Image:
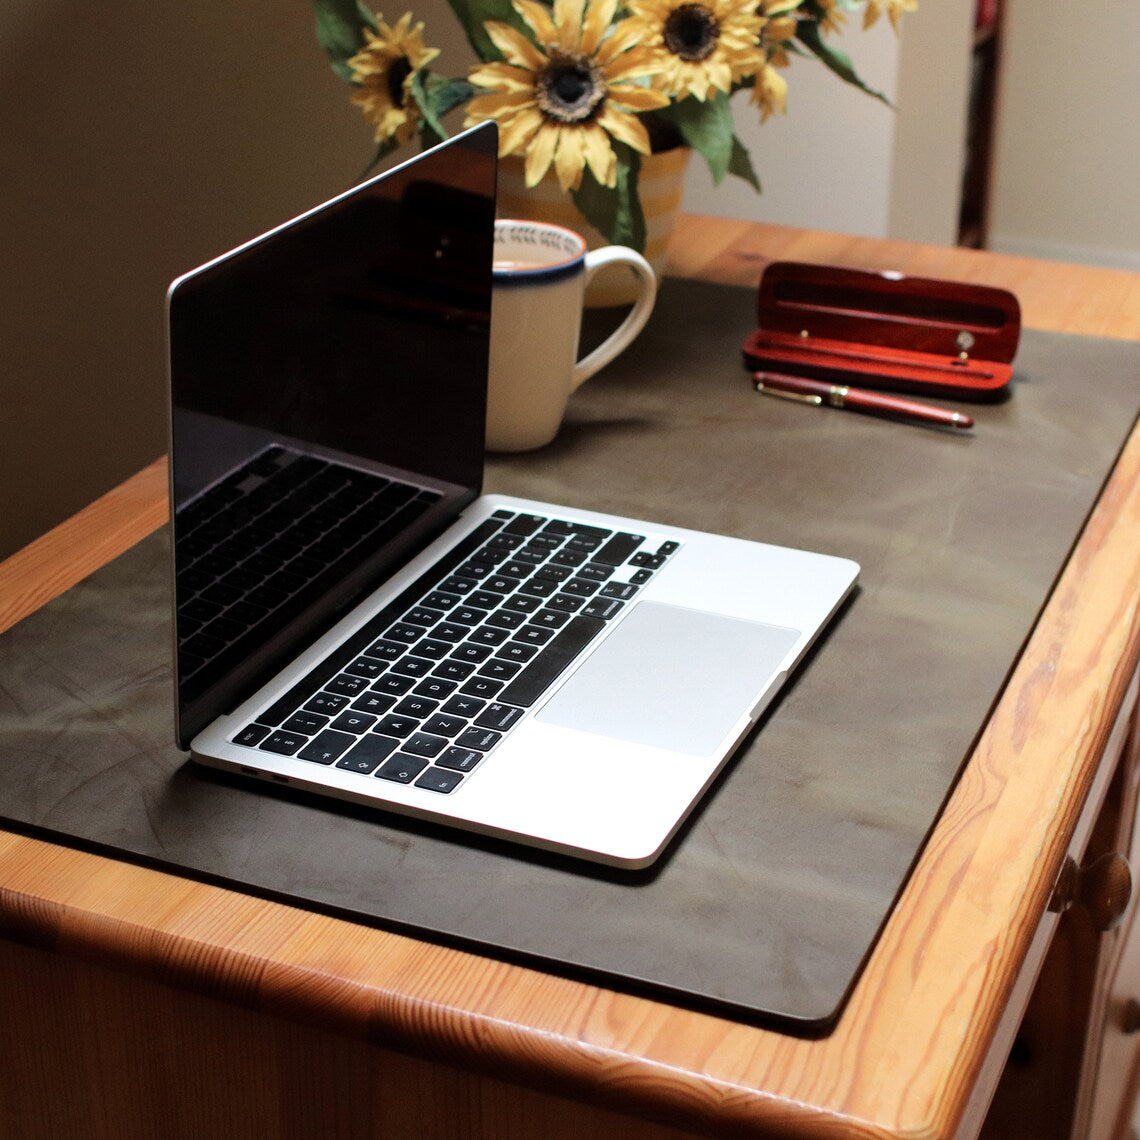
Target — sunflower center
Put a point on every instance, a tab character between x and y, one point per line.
397	73
571	87
691	32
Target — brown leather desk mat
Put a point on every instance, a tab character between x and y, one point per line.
772	896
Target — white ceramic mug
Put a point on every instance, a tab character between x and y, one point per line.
540	276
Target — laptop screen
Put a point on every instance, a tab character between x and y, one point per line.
328	392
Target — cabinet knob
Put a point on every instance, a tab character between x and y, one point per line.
1103	888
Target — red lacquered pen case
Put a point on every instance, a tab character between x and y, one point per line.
885	330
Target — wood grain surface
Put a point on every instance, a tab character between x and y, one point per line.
908	1050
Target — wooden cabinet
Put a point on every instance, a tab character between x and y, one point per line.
1073	1067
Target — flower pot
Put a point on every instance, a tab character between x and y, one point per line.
661	183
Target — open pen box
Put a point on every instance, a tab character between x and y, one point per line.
885	330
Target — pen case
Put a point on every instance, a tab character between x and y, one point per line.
885	330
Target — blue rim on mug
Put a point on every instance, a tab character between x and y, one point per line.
572	260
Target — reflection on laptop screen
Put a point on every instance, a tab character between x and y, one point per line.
301	473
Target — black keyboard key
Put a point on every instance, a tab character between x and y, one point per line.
439	780
539	586
466	615
372	749
618	590
667	548
412	666
459	705
522	603
506	619
450	670
488	635
580	586
501	584
485	600
354	721
484	687
594	572
649	561
423	615
392	684
385	650
534	680
470	652
443	724
402	768
516	651
417	706
568	558
619	548
431	649
252	735
555	573
328	704
403	632
401	726
368	667
641	577
424	744
437	688
550	619
499	670
450	631
305	723
459	759
604	608
443	601
326	747
481	739
535	634
458	585
377	703
283	743
347	685
498	716
524	524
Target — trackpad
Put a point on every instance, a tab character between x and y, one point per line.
671	677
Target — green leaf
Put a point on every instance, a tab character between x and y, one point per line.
740	164
472	14
808	33
615	212
340	31
708	128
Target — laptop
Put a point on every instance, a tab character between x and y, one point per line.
354	617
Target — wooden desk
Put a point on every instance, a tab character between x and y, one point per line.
136	1002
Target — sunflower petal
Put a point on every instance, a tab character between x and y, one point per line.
516	48
498	104
599	154
569	159
624	127
537	18
540	153
568	21
515	135
633	97
598	17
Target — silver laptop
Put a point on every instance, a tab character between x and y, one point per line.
353	616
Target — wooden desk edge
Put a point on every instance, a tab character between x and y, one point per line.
686	1067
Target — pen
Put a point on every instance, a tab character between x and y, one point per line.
821	392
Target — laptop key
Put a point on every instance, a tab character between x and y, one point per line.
460	759
252	735
498	716
439	780
326	747
402	768
283	743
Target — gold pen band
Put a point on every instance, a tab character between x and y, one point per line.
798	397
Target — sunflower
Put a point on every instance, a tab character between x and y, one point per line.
383	71
560	97
770	88
895	9
705	44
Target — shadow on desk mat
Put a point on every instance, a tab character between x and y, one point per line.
769	901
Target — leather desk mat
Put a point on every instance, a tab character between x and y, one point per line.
769	900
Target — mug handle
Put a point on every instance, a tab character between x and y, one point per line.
633	324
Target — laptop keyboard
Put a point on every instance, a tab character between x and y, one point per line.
253	548
426	689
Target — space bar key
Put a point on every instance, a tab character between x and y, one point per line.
537	677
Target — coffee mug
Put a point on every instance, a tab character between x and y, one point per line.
540	276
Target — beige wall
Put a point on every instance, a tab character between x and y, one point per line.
1067	171
139	139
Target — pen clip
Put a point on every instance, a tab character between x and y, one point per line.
798	397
